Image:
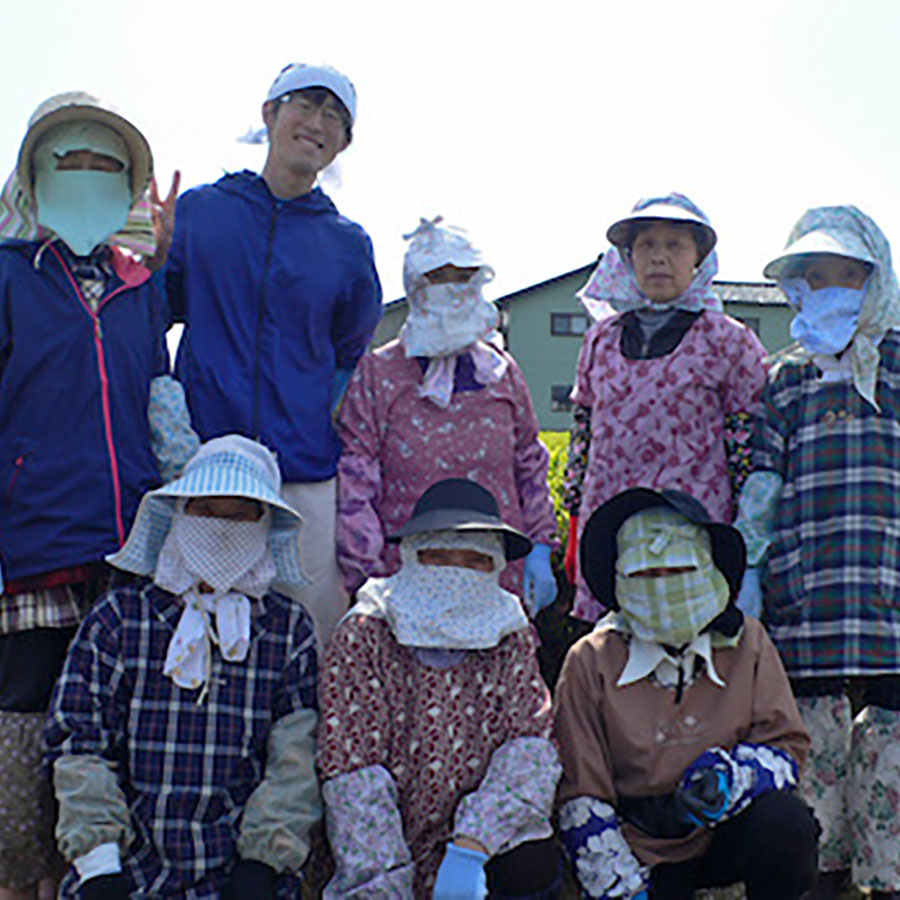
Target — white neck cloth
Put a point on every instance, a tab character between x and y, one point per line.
234	560
445	607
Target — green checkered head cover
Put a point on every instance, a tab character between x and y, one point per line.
667	585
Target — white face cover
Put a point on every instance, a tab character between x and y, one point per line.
84	207
444	319
828	318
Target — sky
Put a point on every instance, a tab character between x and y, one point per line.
535	125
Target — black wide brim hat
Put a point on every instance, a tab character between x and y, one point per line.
598	549
457	504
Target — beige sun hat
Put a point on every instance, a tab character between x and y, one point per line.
78	106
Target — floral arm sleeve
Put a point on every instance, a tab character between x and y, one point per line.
756	513
514	801
603	862
172	438
579	445
360	533
531	463
738	453
365	832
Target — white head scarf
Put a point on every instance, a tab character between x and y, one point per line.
847	231
445	320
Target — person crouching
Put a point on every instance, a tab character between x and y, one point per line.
182	730
435	754
680	738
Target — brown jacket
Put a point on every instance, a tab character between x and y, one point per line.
636	741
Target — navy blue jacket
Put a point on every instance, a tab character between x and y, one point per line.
75	455
276	295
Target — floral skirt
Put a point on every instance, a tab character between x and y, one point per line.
27	809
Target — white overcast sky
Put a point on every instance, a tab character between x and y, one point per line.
533	124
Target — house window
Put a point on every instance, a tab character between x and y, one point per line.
568	323
559	398
752	322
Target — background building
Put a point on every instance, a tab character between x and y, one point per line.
543	326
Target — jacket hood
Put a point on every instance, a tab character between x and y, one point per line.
252	186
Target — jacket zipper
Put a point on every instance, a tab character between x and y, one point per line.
260	314
104	388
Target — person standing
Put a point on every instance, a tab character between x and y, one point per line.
821	518
84	389
279	296
438	402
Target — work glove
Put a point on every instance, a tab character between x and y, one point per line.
250	878
538	585
105	887
705	793
570	564
461	875
749	600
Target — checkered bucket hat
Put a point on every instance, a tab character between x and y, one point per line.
229	466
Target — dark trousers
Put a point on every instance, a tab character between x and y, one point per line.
530	870
771	847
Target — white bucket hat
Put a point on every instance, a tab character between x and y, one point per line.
78	106
229	466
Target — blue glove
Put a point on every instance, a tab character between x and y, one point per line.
705	795
538	584
643	895
749	600
339	387
461	875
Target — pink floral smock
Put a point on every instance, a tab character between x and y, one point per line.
397	444
660	422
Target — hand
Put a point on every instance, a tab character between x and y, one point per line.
105	887
461	875
705	795
163	212
250	878
538	583
571	561
749	600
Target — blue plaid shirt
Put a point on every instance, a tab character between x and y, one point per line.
186	769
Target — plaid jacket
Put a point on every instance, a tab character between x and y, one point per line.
832	599
186	769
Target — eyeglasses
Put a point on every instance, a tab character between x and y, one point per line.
306	109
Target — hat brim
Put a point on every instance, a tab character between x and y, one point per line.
598	548
516	544
619	233
815	243
141	158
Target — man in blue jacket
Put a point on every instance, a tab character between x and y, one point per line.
279	296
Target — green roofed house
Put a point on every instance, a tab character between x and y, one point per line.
543	326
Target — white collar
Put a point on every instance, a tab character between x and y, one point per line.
647	657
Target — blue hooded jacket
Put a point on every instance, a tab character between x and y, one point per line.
276	297
75	452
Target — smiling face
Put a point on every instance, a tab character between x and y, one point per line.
664	256
829	270
304	138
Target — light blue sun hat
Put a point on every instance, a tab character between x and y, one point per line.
228	466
